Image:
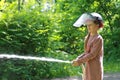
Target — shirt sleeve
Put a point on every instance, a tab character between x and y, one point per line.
95	49
83	54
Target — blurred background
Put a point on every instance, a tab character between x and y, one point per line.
44	28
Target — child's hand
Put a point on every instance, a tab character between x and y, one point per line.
75	63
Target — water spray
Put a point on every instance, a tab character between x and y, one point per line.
7	56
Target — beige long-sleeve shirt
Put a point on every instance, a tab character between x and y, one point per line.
93	58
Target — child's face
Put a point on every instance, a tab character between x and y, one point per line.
91	26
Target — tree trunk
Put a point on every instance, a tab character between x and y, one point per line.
38	1
23	1
19	5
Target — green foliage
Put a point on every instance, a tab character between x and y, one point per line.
15	70
111	67
112	46
24	32
33	29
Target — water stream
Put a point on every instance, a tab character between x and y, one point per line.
12	56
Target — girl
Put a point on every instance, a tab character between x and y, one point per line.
93	48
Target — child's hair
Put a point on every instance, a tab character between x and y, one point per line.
99	22
86	40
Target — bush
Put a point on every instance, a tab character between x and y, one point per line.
31	30
24	32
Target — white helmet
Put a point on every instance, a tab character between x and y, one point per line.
87	16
